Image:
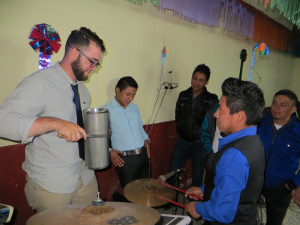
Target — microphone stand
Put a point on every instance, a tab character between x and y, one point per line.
174	211
243	57
149	168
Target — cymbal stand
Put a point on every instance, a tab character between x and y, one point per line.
174	211
149	173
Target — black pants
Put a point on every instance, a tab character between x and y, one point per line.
135	167
277	201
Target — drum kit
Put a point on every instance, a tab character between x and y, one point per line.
143	193
108	213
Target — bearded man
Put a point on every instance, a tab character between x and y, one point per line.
47	103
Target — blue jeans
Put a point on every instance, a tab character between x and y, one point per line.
184	150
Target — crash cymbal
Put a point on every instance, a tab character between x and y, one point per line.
142	191
109	213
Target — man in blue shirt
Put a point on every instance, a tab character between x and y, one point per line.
130	143
234	175
280	134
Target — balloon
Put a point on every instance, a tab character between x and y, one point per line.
261	47
164	53
262	50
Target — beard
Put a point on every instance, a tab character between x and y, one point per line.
78	72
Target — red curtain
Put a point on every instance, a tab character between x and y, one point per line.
273	34
269	31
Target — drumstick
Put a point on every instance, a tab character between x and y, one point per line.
169	200
178	189
60	135
87	135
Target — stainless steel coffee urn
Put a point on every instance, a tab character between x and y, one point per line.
96	126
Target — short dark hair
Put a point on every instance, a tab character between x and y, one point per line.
82	38
290	94
202	68
125	82
244	96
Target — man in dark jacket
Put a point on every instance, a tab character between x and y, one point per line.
191	107
280	134
235	174
210	132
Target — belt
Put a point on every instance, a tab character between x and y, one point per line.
133	152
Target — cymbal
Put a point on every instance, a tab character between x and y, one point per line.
142	191
109	213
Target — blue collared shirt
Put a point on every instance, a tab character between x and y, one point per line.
232	174
127	132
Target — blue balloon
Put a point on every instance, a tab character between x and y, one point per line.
266	50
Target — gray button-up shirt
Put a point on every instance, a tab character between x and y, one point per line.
50	161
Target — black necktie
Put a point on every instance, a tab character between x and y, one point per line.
76	100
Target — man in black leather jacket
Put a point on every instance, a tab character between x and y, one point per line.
191	107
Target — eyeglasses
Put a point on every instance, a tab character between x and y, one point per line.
93	63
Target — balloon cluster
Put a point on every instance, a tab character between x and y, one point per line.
262	50
164	52
163	55
46	39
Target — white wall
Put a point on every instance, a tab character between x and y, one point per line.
134	37
296	78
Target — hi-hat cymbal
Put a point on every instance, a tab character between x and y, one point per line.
142	191
109	213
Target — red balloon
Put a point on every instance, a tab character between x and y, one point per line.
262	47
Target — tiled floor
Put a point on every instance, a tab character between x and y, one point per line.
292	216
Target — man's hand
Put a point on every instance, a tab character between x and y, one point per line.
115	158
147	145
70	131
190	208
296	196
195	191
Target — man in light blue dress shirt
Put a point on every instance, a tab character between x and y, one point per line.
130	151
40	108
